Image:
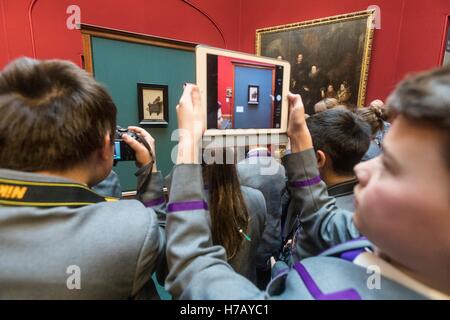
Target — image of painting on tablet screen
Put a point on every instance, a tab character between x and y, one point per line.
253	94
243	94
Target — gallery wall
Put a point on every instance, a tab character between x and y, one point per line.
168	18
410	38
246	115
224	81
141	63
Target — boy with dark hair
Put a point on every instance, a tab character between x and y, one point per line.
54	116
402	207
340	139
58	238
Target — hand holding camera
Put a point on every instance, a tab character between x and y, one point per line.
139	146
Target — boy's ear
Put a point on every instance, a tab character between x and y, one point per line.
105	152
321	159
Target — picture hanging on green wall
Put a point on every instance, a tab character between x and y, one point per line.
153	101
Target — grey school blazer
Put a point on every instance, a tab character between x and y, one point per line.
342	192
245	261
265	174
198	269
114	247
110	186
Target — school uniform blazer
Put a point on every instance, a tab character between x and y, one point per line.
265	174
376	146
245	261
110	186
114	247
198	270
342	192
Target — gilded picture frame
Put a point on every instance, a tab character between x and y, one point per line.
329	57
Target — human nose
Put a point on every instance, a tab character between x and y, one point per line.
362	171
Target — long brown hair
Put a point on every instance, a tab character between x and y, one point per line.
227	208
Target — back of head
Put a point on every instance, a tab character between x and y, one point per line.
342	135
227	207
377	103
320	106
424	100
331	102
54	115
325	104
345	107
374	116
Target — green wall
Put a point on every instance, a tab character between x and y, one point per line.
120	66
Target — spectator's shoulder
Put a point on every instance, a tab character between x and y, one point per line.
254	200
251	194
125	214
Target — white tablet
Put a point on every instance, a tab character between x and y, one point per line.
243	94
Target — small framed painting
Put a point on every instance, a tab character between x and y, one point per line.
153	105
253	94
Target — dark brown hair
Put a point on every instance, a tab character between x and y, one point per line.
374	116
227	208
424	99
53	115
342	135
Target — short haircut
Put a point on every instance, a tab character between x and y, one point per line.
342	136
53	115
424	99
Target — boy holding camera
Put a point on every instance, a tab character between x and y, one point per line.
58	238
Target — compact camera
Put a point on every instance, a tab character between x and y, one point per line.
122	151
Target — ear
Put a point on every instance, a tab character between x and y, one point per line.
106	150
321	159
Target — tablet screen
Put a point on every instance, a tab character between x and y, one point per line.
243	93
